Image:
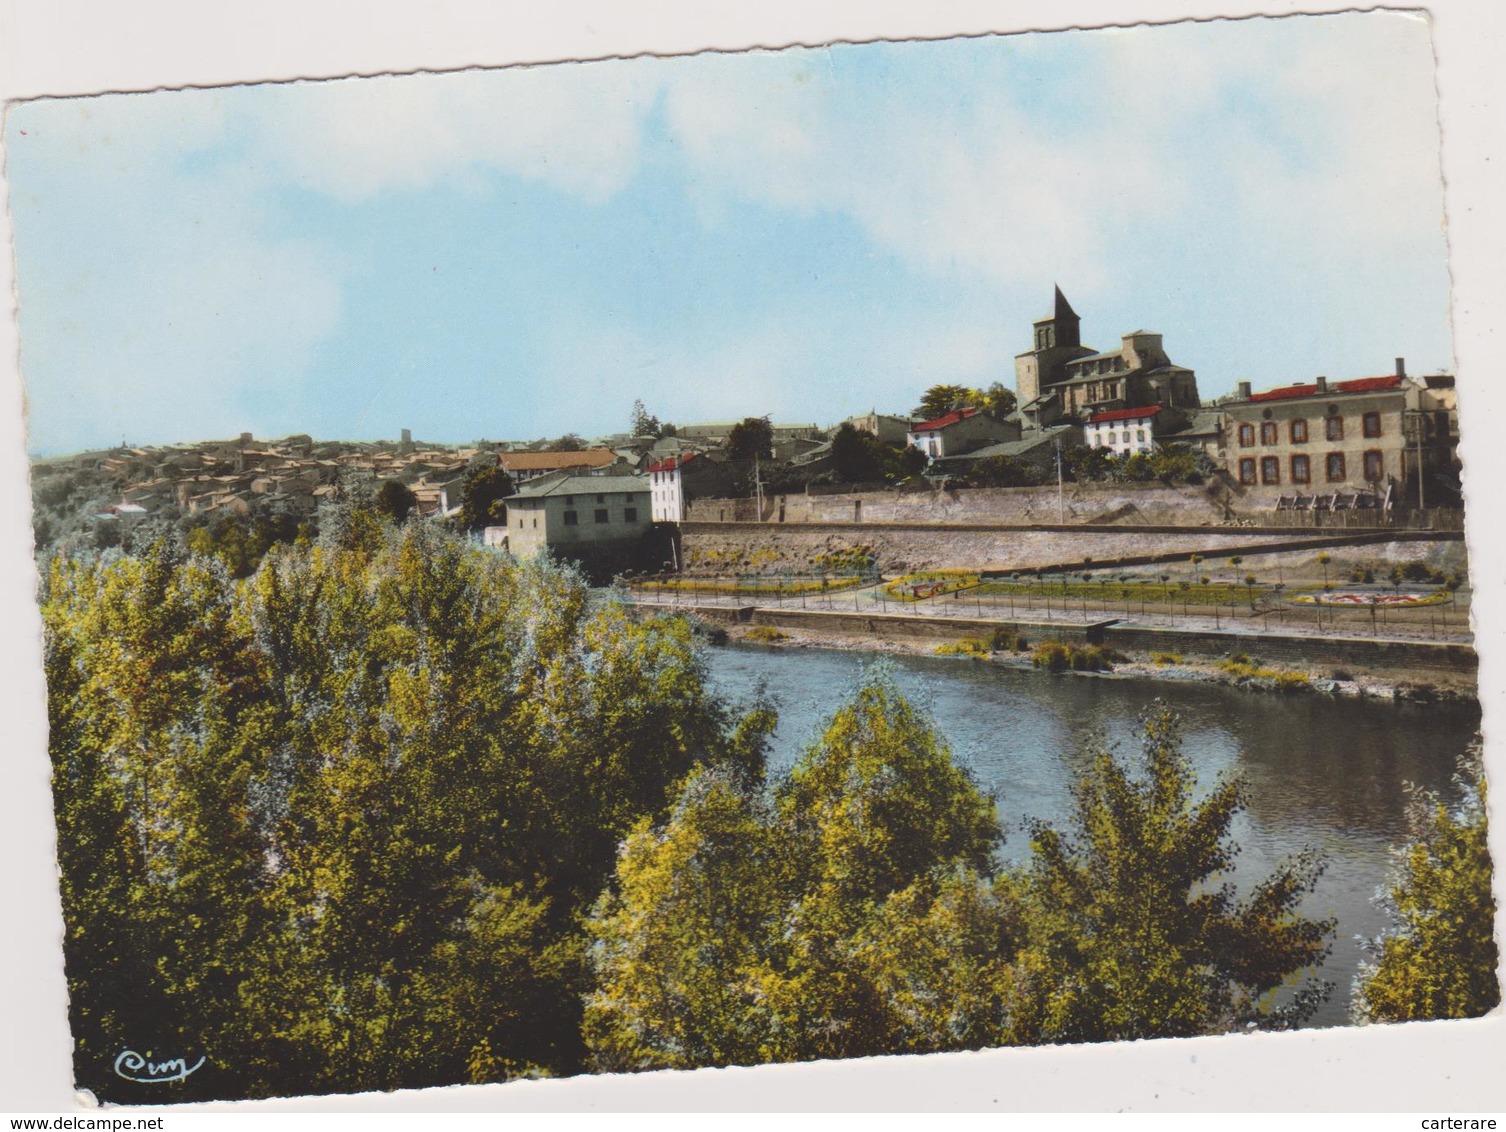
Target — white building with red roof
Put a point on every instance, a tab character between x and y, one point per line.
675	480
1124	432
959	432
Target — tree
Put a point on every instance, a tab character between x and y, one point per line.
941	399
750	439
1439	958
1000	471
854	455
1131	930
643	423
847	916
338	824
395	499
481	497
570	442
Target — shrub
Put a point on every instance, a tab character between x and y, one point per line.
765	634
1054	656
975	647
1165	658
1342	674
1006	640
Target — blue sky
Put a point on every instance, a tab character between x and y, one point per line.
517	253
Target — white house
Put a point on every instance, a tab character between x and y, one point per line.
959	432
1124	432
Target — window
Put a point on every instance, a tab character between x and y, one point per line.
1247	439
1375	465
535	522
520	522
628	498
601	499
1301	470
1126	436
1299	432
1270	469
571	518
630	514
1336	467
1140	435
1333	428
569	501
1372	424
1247	470
601	514
1269	434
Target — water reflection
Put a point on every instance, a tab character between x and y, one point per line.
1321	772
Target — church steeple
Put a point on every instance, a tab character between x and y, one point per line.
1065	322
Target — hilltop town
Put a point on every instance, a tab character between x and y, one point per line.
1366	450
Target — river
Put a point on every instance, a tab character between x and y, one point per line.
1322	772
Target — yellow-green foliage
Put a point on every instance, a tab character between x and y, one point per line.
975	647
765	634
1439	958
1165	658
928	584
1241	670
848	560
1054	656
336	824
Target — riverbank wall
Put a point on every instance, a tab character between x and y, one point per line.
737	547
1293	650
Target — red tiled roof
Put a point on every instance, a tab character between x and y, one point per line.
669	463
945	420
550	461
1358	385
1124	414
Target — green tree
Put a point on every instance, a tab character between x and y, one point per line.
751	438
644	423
1000	471
848	915
395	499
570	442
481	497
1439	958
941	399
855	456
337	825
1132	931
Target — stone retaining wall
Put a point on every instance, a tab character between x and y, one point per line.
740	548
1292	650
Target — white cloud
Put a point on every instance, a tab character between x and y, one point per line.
578	128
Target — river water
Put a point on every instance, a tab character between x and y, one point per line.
1322	772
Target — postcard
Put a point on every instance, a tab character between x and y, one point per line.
750	558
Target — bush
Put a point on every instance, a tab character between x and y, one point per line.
765	634
1054	656
1006	640
975	647
1343	674
1165	658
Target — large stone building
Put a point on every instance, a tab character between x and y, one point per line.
570	513
1060	378
1326	437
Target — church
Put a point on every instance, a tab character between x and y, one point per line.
1061	380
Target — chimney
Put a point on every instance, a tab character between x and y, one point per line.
1401	367
1242	391
1322	384
407	442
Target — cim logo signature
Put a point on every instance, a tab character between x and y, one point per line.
141	1069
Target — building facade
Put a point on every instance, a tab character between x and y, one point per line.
959	432
1325	437
1061	378
577	512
